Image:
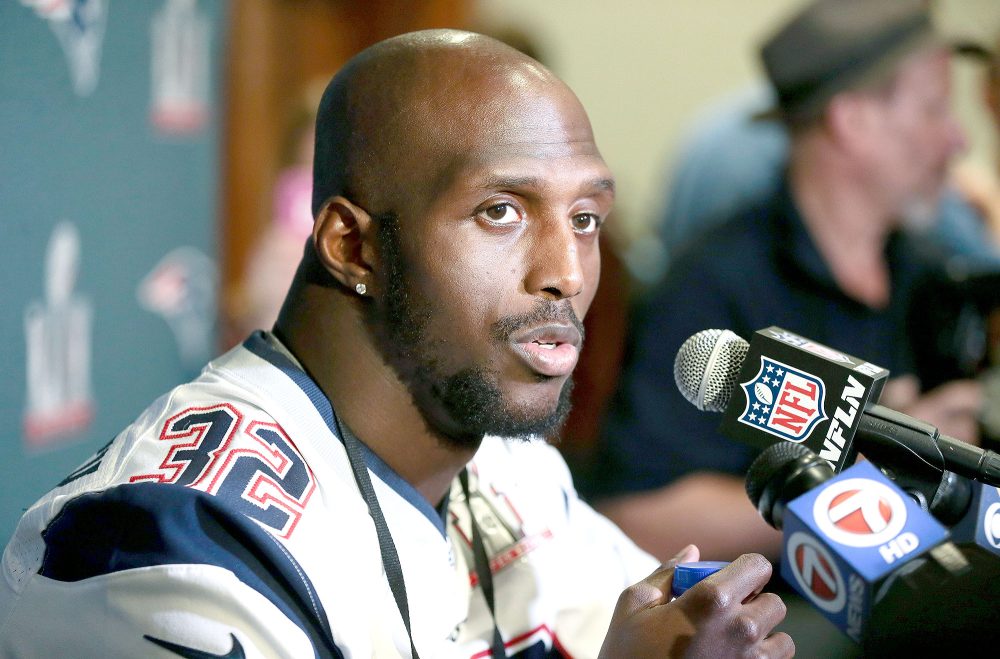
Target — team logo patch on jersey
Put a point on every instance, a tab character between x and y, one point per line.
783	401
505	538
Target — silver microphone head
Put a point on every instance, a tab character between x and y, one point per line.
707	367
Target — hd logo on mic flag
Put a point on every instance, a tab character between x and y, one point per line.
844	538
783	401
794	389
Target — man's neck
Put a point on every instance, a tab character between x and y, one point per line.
848	227
368	396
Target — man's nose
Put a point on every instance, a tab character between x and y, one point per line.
555	271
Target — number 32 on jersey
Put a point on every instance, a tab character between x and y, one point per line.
250	464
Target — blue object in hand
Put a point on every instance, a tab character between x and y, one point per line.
688	574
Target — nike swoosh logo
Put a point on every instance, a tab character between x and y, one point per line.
236	652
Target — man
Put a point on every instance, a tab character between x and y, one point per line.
863	89
980	185
729	159
326	489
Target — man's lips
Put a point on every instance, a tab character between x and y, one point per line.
550	350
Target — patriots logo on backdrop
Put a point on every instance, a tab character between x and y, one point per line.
783	401
79	26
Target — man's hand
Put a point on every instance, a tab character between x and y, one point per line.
725	615
953	407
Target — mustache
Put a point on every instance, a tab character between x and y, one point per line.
544	311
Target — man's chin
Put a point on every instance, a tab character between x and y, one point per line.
920	214
540	413
521	413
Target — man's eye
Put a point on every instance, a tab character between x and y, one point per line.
501	214
586	223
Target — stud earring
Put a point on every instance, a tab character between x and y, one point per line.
360	288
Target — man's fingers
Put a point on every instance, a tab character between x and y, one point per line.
654	589
651	591
778	646
737	582
686	555
759	616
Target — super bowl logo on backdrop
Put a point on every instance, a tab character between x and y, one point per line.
783	401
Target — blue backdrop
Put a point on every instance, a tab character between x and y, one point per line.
109	133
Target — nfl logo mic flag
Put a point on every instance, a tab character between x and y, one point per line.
796	390
783	401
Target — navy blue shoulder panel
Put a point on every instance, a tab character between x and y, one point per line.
150	524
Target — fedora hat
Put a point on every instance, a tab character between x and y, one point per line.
834	45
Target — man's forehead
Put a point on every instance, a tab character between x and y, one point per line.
537	164
507	120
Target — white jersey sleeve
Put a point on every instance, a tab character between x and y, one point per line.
138	567
175	539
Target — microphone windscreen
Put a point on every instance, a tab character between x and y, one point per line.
707	366
771	462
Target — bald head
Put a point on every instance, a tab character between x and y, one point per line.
399	114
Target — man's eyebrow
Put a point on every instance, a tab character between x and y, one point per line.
499	182
603	184
522	182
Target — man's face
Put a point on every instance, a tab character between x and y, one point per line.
488	270
916	135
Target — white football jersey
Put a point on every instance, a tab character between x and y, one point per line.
226	522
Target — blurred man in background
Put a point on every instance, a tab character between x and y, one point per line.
863	89
730	159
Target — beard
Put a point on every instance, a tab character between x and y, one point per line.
472	402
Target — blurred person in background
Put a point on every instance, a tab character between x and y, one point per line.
982	188
730	159
863	89
276	253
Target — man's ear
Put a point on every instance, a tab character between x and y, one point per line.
339	237
849	120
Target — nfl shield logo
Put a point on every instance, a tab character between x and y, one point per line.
783	400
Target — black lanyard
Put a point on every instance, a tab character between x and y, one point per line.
390	559
483	570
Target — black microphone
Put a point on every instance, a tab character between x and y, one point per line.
871	560
794	389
